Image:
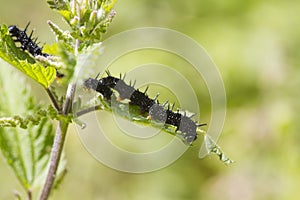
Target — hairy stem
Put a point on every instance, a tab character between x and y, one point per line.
54	159
58	144
87	110
59	139
53	99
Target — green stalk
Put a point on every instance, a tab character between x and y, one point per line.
57	147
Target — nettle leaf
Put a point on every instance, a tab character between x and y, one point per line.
23	61
33	119
61	35
213	148
44	76
27	151
58	4
132	113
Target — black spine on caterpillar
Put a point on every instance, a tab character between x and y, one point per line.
28	44
156	112
182	123
26	41
125	91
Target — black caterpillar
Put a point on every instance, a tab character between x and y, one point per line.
28	43
156	112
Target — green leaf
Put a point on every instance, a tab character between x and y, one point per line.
42	75
27	151
133	114
213	148
23	61
61	35
58	4
33	119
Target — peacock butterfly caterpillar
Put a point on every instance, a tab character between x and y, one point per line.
27	43
105	86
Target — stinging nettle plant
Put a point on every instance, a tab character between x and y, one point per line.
27	138
29	141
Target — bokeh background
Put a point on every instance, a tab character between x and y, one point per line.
256	46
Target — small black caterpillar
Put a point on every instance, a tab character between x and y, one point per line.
28	43
155	111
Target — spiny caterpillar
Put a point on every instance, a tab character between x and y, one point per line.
28	43
105	86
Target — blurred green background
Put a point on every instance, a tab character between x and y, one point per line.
256	46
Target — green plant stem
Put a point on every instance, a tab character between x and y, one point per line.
90	109
53	99
54	159
60	136
58	144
